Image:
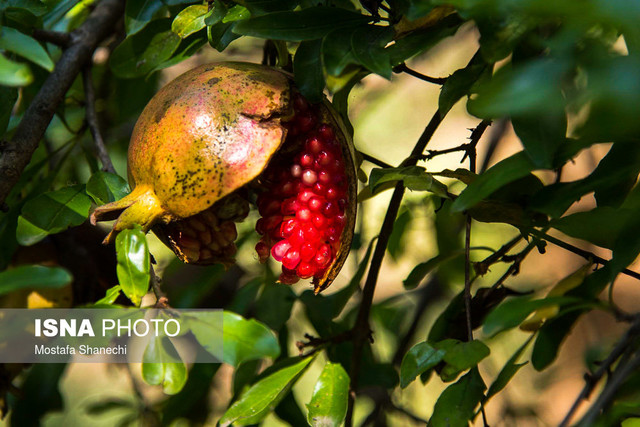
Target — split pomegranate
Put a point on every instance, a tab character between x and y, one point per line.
224	136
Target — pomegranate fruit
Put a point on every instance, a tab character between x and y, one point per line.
224	136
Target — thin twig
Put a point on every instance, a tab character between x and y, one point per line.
471	153
374	160
361	328
156	284
591	380
428	295
581	252
402	68
482	267
514	268
617	379
53	37
16	155
92	121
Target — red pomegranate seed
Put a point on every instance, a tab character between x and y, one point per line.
306	160
325	132
319	221
323	256
305	270
305	195
324	177
332	193
291	259
304	215
296	171
309	177
315	204
325	158
311	234
279	250
314	145
288	226
330	209
307	251
297	237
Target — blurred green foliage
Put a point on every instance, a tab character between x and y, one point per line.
565	73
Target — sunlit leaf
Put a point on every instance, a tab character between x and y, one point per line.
133	263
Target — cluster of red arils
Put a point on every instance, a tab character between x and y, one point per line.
303	205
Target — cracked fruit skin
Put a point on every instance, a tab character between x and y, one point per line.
227	135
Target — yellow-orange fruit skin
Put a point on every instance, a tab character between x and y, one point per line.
205	134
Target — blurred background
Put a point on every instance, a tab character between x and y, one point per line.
388	117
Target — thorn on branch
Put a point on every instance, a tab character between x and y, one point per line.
402	68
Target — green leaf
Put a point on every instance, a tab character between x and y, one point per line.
307	67
10	96
51	213
217	12
368	46
161	364
221	34
610	176
208	329
106	187
254	404
395	245
463	355
274	305
110	296
413	177
142	52
527	89
190	20
502	173
308	24
133	263
456	405
513	312
236	13
421	270
138	13
328	405
14	73
600	226
508	371
420	358
247	340
14	41
550	336
33	277
337	52
260	7
542	135
420	41
458	85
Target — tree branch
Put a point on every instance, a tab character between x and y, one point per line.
581	252
361	330
17	154
92	121
53	37
374	160
591	380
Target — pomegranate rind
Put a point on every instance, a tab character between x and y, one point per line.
208	133
330	115
202	136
